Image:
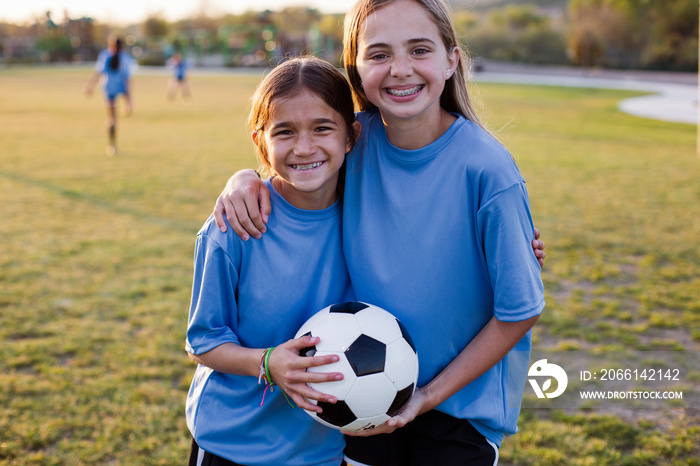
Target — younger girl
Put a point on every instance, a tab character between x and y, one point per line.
436	229
116	67
249	299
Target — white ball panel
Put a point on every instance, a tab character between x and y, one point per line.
371	394
378	324
336	388
342	329
401	364
312	322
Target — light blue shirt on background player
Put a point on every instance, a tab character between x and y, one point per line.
257	294
114	81
441	237
179	68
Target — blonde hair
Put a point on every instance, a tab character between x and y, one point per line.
290	78
454	98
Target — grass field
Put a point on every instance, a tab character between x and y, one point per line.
96	267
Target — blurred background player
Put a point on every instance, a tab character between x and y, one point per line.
179	66
115	66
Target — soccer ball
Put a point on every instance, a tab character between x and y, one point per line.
377	358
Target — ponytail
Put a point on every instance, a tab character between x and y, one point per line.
114	61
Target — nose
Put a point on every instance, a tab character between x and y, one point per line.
401	67
305	145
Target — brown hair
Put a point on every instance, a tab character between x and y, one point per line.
454	98
289	79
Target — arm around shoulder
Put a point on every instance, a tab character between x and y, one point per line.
245	202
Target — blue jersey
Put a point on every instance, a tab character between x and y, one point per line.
441	237
257	294
179	69
114	81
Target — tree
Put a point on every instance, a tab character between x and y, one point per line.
593	29
331	29
673	35
514	33
155	28
293	25
634	33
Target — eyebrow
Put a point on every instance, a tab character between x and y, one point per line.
324	121
416	40
317	121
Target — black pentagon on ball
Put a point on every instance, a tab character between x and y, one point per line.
309	350
366	355
338	414
401	398
406	336
351	307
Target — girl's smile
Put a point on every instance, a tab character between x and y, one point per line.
308	166
411	91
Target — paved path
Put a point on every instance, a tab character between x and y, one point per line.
673	96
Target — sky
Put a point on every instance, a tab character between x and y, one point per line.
129	11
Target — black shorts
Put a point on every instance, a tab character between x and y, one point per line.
432	438
199	457
208	459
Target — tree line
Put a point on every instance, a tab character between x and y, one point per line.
628	34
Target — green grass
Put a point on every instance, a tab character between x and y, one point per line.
95	272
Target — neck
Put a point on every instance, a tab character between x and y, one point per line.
314	200
414	133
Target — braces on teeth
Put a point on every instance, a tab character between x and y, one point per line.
404	92
307	166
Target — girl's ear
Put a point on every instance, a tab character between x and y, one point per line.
453	61
260	148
